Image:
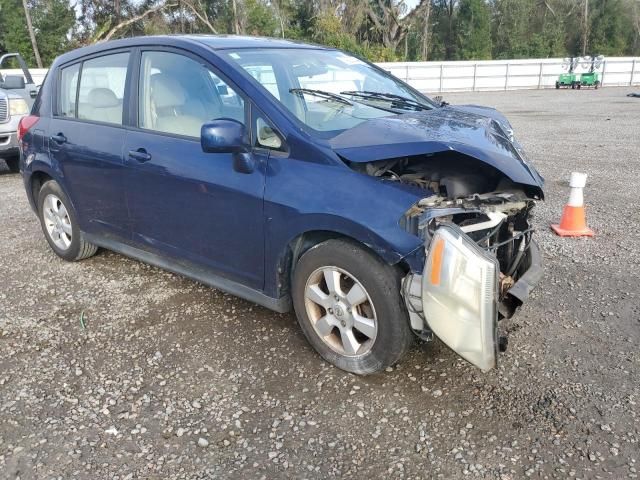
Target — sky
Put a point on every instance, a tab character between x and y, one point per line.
411	4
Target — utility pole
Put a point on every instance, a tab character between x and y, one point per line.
585	29
406	43
426	32
236	24
181	17
32	34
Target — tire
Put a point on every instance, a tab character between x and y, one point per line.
69	243
557	85
573	85
597	85
579	86
383	308
13	163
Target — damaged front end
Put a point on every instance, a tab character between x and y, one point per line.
480	259
477	189
481	263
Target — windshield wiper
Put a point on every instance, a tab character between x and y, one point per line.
395	100
322	94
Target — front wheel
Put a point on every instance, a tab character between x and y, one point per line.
349	306
597	85
60	225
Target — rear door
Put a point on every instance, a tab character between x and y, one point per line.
183	202
86	136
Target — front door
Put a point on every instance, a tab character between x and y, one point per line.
183	202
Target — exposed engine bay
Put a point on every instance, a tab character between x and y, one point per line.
489	208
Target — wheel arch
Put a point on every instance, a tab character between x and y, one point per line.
39	174
36	181
306	240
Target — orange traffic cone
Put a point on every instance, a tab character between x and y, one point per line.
573	222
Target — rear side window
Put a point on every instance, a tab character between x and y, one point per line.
101	93
68	91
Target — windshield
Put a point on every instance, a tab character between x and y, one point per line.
329	91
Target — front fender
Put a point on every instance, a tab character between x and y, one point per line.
302	197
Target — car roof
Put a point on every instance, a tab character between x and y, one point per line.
221	42
214	42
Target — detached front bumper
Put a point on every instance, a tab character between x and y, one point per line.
461	294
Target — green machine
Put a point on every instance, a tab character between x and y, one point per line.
592	77
569	79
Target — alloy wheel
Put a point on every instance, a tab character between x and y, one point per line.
341	311
57	222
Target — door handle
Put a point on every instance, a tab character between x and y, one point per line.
140	155
59	138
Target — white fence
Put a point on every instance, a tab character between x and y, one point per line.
506	74
436	77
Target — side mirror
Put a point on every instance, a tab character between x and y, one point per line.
13	82
223	135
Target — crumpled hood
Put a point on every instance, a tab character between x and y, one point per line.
483	111
439	130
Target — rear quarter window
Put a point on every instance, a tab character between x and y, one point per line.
67	91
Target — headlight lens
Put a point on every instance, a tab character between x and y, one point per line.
459	295
18	106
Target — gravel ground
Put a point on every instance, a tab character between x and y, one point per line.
171	379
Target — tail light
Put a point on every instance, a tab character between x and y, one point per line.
25	125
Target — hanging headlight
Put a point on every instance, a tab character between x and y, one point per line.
459	295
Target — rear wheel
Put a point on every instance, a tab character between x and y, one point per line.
349	307
557	85
597	85
13	163
60	225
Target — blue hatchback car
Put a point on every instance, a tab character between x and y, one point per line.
291	175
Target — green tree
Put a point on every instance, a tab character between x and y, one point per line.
610	25
443	42
260	19
531	29
53	21
473	30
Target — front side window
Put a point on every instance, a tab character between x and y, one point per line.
328	90
178	95
102	83
67	91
